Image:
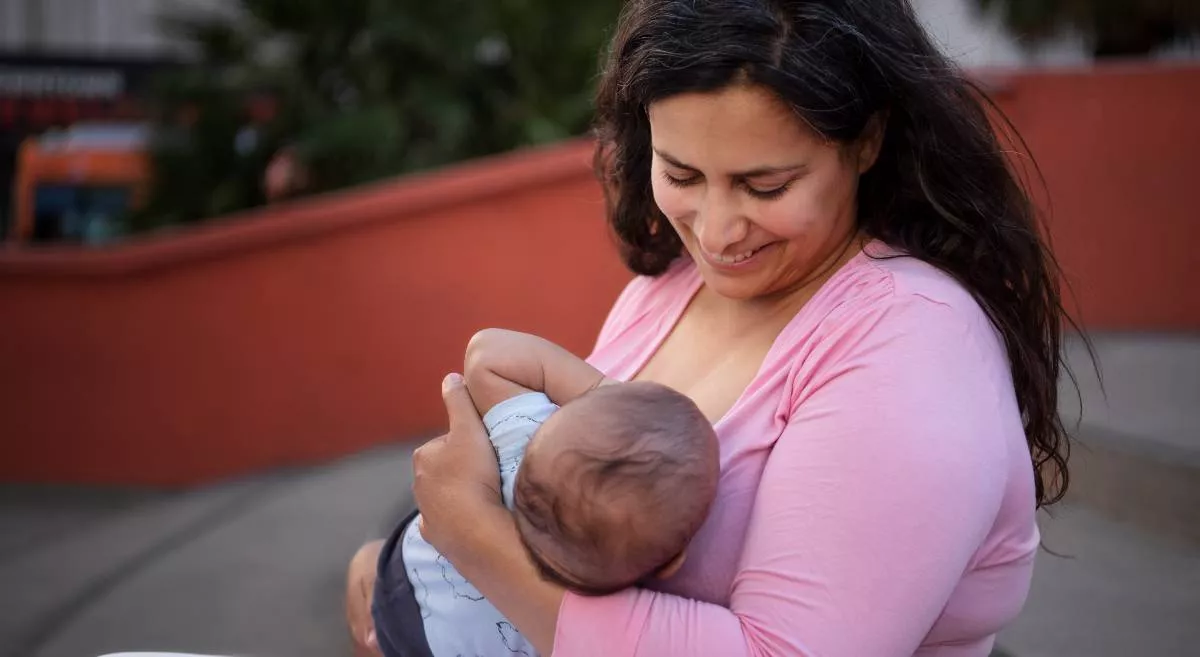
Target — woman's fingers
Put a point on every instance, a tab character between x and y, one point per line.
455	473
360	586
464	419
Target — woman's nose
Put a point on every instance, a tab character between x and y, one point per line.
720	223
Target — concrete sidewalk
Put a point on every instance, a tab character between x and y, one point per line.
1116	591
249	568
255	567
1150	396
1137	457
1129	579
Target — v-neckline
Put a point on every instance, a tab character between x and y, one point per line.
670	319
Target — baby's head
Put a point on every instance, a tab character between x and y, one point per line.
614	485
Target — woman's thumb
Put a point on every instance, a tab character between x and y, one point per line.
459	407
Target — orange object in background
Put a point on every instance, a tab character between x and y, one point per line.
75	185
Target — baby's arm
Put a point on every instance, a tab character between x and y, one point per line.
501	364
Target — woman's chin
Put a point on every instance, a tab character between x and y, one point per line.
734	288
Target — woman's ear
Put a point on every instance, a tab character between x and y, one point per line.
871	141
669	570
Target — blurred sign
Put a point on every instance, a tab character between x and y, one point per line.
36	115
21	81
42	91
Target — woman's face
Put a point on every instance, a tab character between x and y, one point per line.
762	202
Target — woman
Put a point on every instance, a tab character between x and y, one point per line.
838	266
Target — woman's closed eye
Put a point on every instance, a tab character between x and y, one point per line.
767	194
759	193
681	181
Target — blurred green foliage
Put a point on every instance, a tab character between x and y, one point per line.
363	89
1117	28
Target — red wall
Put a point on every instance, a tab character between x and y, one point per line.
310	331
300	335
1120	151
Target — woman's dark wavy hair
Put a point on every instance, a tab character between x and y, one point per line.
943	189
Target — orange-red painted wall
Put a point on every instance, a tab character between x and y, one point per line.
305	332
298	336
1120	151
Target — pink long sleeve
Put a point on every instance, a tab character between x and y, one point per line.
889	491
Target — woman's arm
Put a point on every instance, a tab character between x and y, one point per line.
871	505
495	562
457	488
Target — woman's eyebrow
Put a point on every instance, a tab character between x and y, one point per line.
749	173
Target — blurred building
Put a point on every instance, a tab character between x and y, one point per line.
88	27
66	61
978	39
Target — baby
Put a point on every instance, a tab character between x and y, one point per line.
606	492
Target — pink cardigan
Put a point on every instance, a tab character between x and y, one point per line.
876	495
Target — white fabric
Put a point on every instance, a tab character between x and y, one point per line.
458	620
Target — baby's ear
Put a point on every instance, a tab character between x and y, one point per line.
668	571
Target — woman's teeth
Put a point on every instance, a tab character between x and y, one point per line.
733	259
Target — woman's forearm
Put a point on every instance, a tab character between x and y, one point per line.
494	561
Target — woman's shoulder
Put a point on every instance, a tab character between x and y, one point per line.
646	297
652	290
885	284
885	299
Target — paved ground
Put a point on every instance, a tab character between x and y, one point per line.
1116	591
1150	394
248	568
255	567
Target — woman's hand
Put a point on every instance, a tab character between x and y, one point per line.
456	482
360	588
455	475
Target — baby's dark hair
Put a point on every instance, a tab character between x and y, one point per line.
604	510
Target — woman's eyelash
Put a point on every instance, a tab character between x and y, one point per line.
768	195
680	182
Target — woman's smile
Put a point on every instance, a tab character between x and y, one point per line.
737	261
